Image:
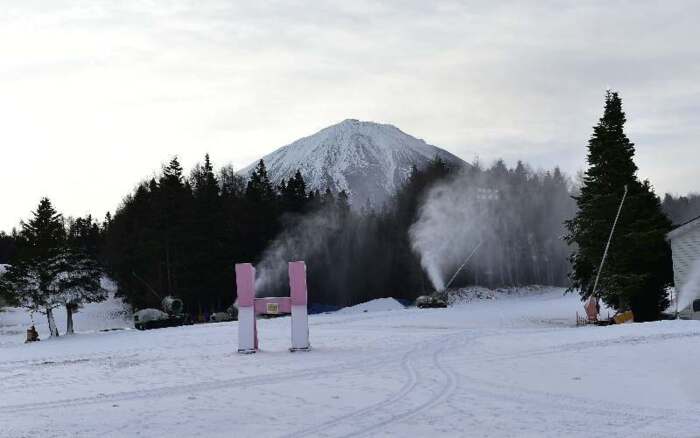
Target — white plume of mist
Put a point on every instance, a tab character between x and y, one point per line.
452	221
301	238
690	291
517	213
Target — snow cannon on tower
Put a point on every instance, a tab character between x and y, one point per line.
472	205
440	298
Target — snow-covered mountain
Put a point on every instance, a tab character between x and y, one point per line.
368	160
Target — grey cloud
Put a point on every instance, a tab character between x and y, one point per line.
518	79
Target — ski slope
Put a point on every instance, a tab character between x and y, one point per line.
511	366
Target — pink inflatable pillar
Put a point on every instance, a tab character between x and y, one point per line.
245	287
300	317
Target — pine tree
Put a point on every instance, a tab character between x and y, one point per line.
32	279
173	201
298	191
262	211
638	266
44	233
207	260
205	185
84	234
260	189
232	184
293	193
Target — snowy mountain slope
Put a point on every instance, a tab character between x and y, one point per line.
368	160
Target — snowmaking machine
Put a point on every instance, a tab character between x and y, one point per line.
432	301
173	314
439	298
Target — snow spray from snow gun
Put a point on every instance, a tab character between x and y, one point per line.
453	219
463	264
690	291
301	239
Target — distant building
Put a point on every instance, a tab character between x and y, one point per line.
685	244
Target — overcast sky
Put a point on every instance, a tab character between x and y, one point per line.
96	95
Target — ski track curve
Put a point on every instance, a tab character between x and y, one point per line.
406	388
440	396
625	415
355	366
380	415
392	403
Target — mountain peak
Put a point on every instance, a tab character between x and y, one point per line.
368	160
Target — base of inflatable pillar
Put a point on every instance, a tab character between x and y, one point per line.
294	350
247	333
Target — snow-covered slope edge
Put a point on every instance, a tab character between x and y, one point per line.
368	160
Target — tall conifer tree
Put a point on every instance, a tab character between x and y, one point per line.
260	189
173	196
638	267
32	279
262	212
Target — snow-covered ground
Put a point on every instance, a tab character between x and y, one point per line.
511	366
378	305
109	314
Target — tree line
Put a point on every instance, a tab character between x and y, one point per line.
178	235
681	209
181	234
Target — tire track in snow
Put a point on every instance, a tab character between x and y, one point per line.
626	415
239	382
451	377
581	346
440	396
357	366
393	402
406	388
631	415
